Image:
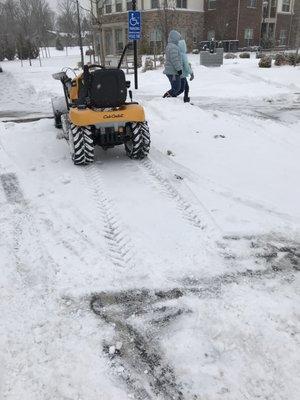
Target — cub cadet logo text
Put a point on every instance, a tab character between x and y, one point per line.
107	116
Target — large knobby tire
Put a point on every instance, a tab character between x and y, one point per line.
139	144
81	145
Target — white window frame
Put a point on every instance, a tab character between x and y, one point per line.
286	6
283	37
155	35
117	3
248	35
182	4
154	4
252	4
108	7
128	5
212	6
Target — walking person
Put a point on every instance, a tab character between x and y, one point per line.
173	64
186	72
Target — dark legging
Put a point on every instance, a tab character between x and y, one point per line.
175	81
184	87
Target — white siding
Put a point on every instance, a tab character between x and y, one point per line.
279	6
192	5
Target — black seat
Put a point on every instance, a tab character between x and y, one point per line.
106	88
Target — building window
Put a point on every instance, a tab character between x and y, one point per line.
286	5
129	5
248	36
155	35
155	41
282	37
252	3
119	6
212	4
108	42
119	40
108	7
181	3
154	3
211	35
248	33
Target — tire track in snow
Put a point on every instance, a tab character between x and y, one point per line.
119	243
221	189
33	262
189	213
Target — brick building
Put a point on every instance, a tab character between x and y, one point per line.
251	22
158	18
234	20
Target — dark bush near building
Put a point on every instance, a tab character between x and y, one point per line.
2	56
27	50
58	44
230	56
265	62
89	52
293	59
245	55
280	59
10	53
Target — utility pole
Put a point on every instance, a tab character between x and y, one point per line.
79	34
238	20
135	53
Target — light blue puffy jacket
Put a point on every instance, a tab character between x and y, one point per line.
186	68
173	62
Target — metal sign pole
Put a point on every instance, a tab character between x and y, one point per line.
79	33
135	53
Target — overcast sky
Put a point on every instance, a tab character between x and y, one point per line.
53	3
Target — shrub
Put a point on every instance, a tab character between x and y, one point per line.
161	60
265	62
2	55
10	52
245	55
293	59
89	52
149	64
229	56
26	49
58	44
280	59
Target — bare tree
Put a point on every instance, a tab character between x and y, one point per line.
167	17
67	20
96	13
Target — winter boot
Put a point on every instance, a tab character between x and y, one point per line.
186	99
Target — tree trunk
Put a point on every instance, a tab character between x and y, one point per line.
102	52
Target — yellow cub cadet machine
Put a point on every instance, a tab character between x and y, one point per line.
94	112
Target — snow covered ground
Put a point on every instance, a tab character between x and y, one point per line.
176	277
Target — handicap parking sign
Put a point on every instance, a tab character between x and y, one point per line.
134	25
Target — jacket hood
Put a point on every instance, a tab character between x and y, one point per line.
174	37
182	46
